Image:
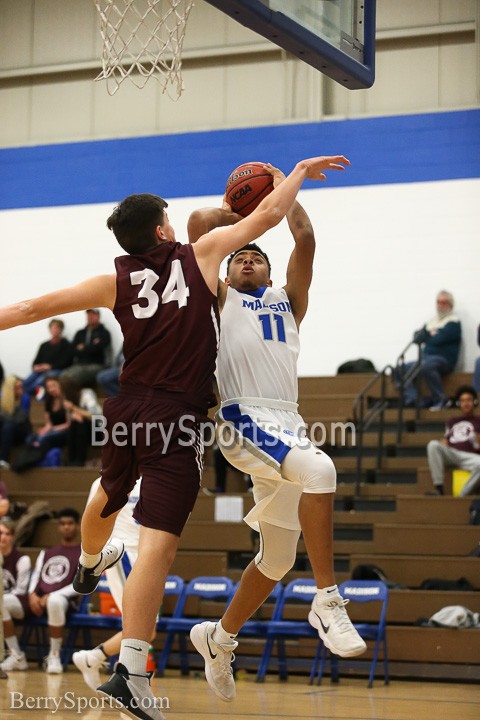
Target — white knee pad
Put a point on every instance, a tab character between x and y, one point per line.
312	468
57	606
12	607
278	549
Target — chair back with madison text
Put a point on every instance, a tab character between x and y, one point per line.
360	591
203	588
297	592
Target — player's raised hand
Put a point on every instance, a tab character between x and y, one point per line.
315	166
278	175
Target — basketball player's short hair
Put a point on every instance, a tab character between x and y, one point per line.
255	248
134	220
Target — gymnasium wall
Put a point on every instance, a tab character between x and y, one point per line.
399	225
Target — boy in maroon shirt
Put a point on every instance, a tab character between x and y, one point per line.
460	446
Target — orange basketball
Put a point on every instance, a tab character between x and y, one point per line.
246	187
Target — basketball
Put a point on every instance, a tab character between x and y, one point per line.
246	187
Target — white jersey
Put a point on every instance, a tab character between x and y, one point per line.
259	346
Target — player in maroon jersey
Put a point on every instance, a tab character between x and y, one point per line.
164	296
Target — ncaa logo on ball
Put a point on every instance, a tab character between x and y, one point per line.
240	193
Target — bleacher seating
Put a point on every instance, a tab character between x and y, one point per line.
392	524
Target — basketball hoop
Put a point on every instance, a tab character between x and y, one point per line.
142	38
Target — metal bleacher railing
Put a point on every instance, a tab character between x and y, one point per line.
368	409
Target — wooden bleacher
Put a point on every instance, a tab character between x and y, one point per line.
393	524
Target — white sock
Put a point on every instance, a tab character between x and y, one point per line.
98	654
326	593
133	654
89	561
55	645
12	644
221	636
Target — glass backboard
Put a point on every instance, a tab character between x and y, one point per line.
336	37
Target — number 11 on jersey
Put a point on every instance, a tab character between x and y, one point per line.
268	327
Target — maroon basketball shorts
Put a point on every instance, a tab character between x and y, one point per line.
160	440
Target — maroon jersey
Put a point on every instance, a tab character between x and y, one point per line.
11	575
462	431
58	568
170	322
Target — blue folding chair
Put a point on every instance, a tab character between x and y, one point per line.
204	588
360	591
36	626
174	585
301	591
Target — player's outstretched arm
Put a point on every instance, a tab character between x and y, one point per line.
99	291
213	247
300	264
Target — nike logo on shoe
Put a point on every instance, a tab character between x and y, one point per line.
210	650
326	628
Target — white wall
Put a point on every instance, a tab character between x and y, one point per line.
378	267
427	58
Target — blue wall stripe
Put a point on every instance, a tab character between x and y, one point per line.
400	149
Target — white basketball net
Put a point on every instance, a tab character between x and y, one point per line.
142	38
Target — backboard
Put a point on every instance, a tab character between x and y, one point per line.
336	37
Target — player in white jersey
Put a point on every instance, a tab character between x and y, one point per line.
127	529
260	432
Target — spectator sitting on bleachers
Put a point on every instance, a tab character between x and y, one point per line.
14	421
90	347
16	576
460	447
440	337
476	371
108	379
52	357
53	434
80	405
50	590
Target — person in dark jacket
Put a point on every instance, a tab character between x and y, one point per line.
52	357
90	347
440	337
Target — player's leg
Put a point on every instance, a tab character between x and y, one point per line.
315	472
217	641
89	662
119	475
170	483
96	555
